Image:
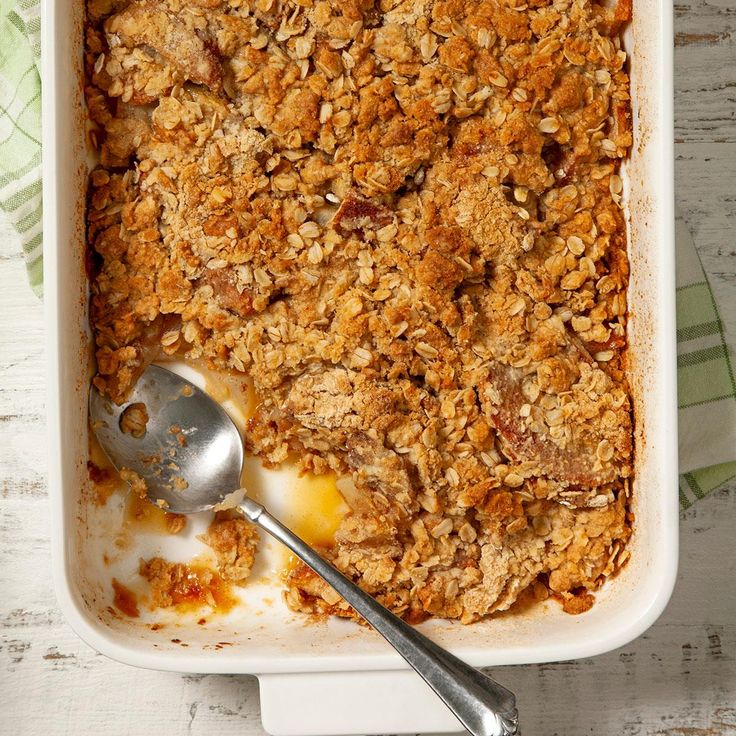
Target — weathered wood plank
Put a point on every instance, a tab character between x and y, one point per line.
705	70
705	91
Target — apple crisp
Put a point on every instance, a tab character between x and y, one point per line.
402	220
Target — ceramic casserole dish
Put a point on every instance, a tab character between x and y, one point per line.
336	677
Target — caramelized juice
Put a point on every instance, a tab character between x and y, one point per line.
105	479
141	514
315	508
202	587
125	600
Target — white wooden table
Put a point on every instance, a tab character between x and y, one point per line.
678	679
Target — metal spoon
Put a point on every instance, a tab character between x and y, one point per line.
198	474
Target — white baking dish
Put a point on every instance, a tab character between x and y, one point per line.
336	677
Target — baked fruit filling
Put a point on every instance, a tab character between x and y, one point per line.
402	221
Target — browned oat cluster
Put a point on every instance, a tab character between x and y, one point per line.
401	219
233	541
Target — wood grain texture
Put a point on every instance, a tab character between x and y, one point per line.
679	679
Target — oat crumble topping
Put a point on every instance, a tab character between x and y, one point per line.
402	220
233	541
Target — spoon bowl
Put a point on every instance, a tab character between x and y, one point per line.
189	452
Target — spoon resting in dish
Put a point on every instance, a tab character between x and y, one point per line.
203	474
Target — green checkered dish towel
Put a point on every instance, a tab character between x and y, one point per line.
707	394
20	128
706	388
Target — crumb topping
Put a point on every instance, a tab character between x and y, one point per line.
402	220
233	541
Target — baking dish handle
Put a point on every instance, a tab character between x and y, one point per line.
332	703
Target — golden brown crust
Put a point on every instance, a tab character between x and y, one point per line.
233	541
403	223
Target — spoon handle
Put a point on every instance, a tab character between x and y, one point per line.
483	706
